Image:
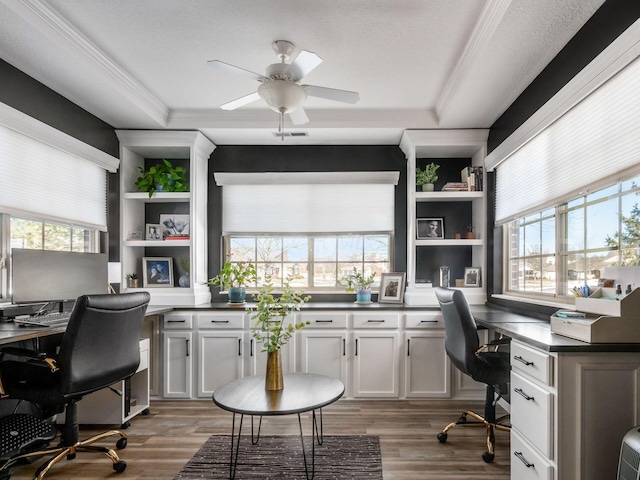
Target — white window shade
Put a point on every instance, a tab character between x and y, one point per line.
42	181
308	208
595	141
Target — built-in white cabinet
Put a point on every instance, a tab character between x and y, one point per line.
141	149
177	342
457	211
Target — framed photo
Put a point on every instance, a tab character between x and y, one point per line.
392	288
174	224
472	277
157	272
430	228
153	231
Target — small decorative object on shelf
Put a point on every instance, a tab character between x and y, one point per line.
162	177
157	272
430	228
360	284
132	278
234	277
427	177
392	288
153	231
469	233
472	277
175	226
445	274
183	280
271	330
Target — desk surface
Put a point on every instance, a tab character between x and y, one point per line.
302	392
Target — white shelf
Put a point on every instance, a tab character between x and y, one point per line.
159	197
156	243
447	196
450	242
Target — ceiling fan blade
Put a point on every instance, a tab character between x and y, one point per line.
241	102
237	70
304	63
332	94
299	116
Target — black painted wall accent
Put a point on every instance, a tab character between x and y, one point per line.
306	159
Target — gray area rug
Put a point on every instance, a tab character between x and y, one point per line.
280	457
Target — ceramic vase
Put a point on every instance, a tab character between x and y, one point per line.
274	379
427	187
363	296
237	294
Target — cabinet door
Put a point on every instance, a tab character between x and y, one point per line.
427	367
178	367
323	352
375	364
220	360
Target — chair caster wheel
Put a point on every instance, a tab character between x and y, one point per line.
122	443
125	425
488	457
442	437
120	466
462	419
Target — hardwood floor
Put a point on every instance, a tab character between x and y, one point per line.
161	443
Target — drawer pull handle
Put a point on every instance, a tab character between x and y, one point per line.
375	321
176	321
239	347
219	321
428	321
324	321
522	394
523	460
522	360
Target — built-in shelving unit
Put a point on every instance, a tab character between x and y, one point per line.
452	150
142	148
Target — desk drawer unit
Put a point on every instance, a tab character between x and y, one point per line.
324	319
526	463
532	413
424	320
533	363
209	321
178	321
376	320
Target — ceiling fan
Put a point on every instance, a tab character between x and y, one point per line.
280	86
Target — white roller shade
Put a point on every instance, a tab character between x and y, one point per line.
596	140
43	181
309	208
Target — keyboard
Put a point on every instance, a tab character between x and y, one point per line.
47	320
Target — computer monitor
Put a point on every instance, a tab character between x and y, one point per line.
50	276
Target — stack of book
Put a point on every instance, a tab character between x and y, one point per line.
177	237
455	187
472	177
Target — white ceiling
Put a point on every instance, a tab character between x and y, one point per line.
417	64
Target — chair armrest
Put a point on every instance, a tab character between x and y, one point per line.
23	352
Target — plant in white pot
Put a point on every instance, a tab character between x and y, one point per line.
427	177
234	278
272	328
360	284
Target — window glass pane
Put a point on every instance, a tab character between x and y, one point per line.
295	249
242	249
575	230
324	274
80	240
533	275
350	248
630	257
520	242
376	247
532	218
575	203
548	266
602	222
630	213
57	237
26	233
325	249
532	239
269	249
548	231
631	184
605	192
297	274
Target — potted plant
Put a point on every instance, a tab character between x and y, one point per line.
427	177
271	329
132	278
361	285
163	176
234	278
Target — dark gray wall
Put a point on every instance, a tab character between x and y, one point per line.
306	159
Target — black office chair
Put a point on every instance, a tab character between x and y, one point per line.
99	348
482	363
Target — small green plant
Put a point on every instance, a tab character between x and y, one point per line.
428	175
357	281
132	276
270	313
184	263
162	176
234	275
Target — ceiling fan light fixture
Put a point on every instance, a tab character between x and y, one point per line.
282	95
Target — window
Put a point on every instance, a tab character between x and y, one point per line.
551	252
312	261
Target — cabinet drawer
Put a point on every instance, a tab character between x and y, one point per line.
532	413
424	320
536	364
177	321
207	321
526	463
376	320
324	320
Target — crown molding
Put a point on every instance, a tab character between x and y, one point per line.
52	25
620	53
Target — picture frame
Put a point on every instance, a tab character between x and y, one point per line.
392	286
175	224
152	231
430	228
157	272
472	276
